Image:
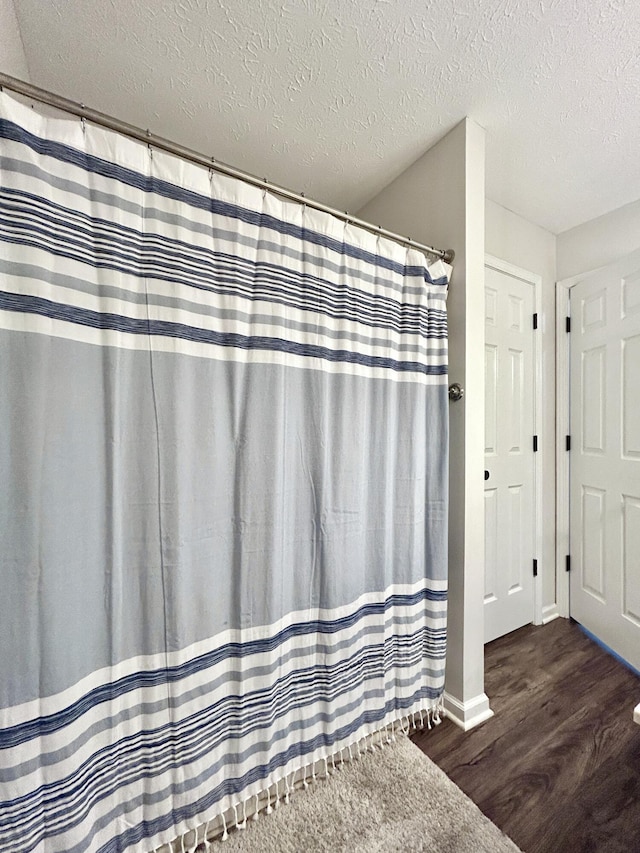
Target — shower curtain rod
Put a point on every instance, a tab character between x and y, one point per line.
111	123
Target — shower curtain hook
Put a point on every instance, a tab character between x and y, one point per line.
149	149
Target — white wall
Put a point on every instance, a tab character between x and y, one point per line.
439	200
517	241
599	242
12	57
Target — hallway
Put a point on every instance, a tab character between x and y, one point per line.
558	767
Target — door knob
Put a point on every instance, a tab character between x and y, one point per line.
456	392
486	475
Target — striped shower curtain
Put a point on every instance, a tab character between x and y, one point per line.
223	456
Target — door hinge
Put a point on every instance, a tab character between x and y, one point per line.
567	442
567	563
535	443
567	324
535	320
535	568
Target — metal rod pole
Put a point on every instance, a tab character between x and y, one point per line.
80	110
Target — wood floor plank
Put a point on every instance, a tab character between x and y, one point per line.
558	766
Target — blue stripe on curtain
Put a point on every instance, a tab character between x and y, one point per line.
105	247
107	692
223	519
11	131
98	320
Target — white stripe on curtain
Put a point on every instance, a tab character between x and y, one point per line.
223	513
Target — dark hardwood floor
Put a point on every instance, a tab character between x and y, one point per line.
558	766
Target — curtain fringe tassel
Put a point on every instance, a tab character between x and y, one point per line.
202	838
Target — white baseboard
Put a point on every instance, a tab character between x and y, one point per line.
636	714
549	613
468	714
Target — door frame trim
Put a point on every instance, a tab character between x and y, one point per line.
563	426
535	280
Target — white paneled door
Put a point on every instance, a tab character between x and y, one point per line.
605	457
509	459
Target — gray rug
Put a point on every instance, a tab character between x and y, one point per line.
392	801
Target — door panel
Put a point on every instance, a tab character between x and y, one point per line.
593	400
631	559
605	457
630	394
490	544
491	398
593	514
517	538
509	504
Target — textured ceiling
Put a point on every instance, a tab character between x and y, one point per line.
335	98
